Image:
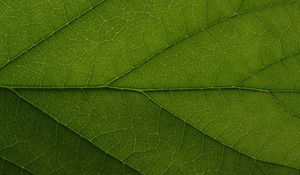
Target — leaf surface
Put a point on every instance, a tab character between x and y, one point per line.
33	141
133	128
150	87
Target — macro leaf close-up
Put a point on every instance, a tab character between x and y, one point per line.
150	87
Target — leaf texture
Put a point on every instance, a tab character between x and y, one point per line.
39	144
150	87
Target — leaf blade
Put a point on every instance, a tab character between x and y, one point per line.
112	138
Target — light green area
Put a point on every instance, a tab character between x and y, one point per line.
257	48
25	24
227	43
174	87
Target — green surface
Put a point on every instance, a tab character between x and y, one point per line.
150	87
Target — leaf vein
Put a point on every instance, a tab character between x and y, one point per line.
176	116
68	128
14	163
189	36
50	35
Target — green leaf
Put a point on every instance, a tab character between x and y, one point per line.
150	87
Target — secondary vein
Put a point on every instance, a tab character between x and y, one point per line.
168	46
51	34
203	132
68	128
16	164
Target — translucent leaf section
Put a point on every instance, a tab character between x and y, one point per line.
25	24
256	48
160	38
